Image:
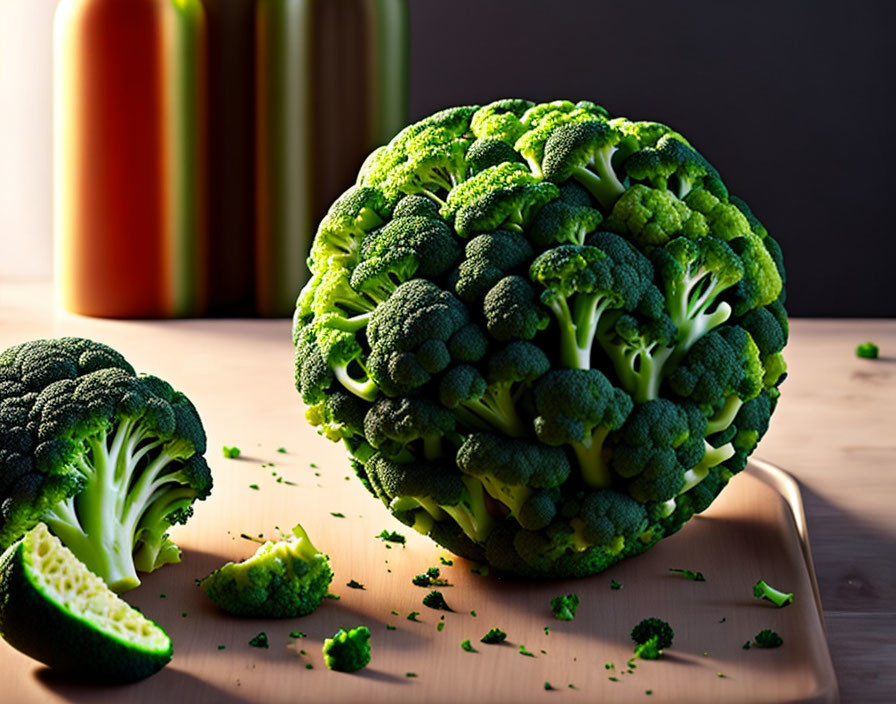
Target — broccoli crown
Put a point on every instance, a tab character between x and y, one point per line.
547	337
347	651
283	579
108	459
653	628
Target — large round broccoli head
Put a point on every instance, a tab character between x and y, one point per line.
546	336
107	458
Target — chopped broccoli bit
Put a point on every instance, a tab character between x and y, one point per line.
473	614
347	651
260	641
330	595
281	450
525	652
614	584
688	574
435	600
446	562
254	486
746	646
390	627
337	515
494	636
309	666
767	638
221	647
413	616
649	649
354	585
867	350
547	686
392	537
230	452
564	607
297	634
761	590
468	646
547	631
410	674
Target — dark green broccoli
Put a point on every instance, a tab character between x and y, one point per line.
649	217
494	636
767	638
512	311
283	579
358	211
435	600
561	222
673	164
564	607
689	574
761	590
488	258
108	459
468	646
580	407
653	628
347	651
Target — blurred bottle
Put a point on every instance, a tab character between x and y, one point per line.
129	145
331	85
231	136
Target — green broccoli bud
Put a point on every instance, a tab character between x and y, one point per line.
347	651
564	607
867	350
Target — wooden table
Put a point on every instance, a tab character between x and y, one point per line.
835	431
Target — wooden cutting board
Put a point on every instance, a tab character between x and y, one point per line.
239	376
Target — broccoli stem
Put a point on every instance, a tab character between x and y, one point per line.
602	182
432	446
688	301
639	368
364	389
513	497
725	416
577	328
711	457
595	472
352	324
472	516
497	408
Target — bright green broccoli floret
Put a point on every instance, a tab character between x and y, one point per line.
283	579
580	407
564	607
108	459
867	350
650	217
230	452
767	638
561	222
347	651
761	590
358	211
653	628
674	165
494	636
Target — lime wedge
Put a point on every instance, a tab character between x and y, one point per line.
53	609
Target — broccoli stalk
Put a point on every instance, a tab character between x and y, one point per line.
762	590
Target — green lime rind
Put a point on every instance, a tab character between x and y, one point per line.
53	609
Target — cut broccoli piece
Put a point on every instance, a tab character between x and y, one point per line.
767	638
564	607
347	651
494	636
653	627
867	350
761	590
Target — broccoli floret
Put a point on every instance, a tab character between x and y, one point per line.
584	151
505	196
347	651
488	152
867	350
230	452
674	165
649	217
580	407
283	579
761	590
494	636
418	332
767	638
488	259
435	600
353	215
512	311
500	120
540	122
653	628
561	222
564	607
108	459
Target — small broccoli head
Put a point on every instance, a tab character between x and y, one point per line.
347	651
653	628
564	607
546	337
283	579
109	460
767	638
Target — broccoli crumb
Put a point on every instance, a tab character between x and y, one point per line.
689	574
313	466
330	595
767	638
230	453
337	515
720	674
260	641
354	585
493	637
468	646
525	652
547	631
410	674
613	679
615	585
394	613
183	614
254	486
723	619
446	562
547	686
309	666
162	596
481	570
868	350
390	627
440	626
413	616
435	600
392	537
281	450
648	692
221	647
473	614
296	634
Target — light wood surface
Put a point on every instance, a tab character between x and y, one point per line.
833	431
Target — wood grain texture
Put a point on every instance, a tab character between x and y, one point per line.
833	431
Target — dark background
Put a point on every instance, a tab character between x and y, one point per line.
793	102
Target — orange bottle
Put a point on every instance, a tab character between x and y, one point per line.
129	148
